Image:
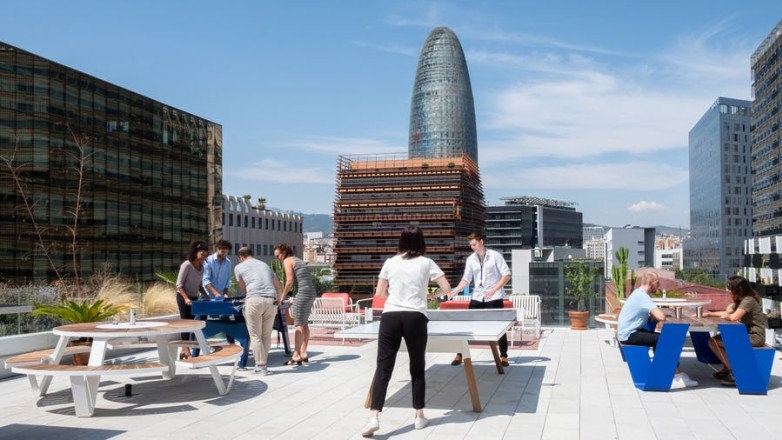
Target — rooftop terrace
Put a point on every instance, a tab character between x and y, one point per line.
573	385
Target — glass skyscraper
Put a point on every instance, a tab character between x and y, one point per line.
146	177
442	114
766	134
720	182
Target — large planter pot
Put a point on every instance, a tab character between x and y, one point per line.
81	358
578	320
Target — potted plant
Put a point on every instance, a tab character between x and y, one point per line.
580	286
79	312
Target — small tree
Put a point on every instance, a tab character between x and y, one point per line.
581	279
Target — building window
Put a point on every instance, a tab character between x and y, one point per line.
230	219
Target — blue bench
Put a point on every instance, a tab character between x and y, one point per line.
656	374
751	366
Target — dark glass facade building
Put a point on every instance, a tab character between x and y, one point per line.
766	129
720	183
442	114
147	177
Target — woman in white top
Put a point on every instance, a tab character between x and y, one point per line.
404	279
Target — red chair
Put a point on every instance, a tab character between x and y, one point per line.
375	304
344	297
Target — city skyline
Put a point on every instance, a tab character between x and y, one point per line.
587	102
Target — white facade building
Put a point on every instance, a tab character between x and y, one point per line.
259	229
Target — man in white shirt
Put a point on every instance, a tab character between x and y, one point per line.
489	273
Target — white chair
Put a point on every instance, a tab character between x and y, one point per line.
330	313
528	310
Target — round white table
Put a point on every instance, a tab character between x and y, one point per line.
158	331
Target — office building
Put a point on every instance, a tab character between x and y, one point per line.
379	196
146	177
766	129
640	244
525	222
442	113
260	229
720	188
436	185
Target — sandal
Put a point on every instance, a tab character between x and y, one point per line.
722	374
729	381
293	362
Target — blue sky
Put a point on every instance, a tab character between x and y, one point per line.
585	101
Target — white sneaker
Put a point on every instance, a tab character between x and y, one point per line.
687	381
373	424
261	371
677	383
682	380
421	422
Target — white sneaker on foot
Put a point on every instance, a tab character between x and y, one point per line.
421	422
682	380
373	424
687	381
261	371
677	383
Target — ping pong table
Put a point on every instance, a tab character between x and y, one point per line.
450	331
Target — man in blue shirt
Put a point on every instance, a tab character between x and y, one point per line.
217	271
638	319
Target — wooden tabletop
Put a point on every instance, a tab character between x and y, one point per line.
104	328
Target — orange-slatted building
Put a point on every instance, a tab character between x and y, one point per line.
379	195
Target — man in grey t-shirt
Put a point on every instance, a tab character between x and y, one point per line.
261	288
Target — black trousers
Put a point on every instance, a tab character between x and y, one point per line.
643	337
493	304
395	326
185	312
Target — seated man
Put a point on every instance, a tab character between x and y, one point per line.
638	311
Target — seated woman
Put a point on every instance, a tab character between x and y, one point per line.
745	308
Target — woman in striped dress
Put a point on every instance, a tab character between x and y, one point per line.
296	271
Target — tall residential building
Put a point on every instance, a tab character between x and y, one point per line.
436	185
442	113
379	196
766	127
146	177
720	182
260	229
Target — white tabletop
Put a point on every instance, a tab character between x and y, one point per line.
466	330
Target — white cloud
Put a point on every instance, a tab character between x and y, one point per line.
643	205
270	170
345	145
571	104
634	176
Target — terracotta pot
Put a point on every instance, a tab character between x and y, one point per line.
81	358
578	320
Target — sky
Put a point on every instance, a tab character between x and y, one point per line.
584	101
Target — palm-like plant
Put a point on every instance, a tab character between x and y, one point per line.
79	312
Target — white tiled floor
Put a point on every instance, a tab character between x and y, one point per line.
575	386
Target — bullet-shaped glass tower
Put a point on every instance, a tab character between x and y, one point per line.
442	114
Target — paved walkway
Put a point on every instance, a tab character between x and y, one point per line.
574	386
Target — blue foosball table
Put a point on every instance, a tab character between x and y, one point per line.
225	316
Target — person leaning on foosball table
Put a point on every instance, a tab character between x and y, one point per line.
489	273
